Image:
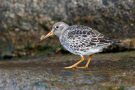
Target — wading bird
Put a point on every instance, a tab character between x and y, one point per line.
79	40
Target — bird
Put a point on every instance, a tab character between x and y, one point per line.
79	40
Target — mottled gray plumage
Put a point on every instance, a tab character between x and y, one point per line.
79	39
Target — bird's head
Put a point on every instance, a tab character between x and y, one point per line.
57	30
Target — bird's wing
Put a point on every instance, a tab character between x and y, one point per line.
83	38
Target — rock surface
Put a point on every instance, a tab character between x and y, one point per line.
114	71
23	21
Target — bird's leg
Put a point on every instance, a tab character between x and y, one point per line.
88	62
75	65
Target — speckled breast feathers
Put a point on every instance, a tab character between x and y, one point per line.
80	39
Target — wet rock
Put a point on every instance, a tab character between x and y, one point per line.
23	22
113	71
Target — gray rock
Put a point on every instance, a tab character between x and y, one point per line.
114	18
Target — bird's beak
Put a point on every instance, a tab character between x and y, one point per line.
46	36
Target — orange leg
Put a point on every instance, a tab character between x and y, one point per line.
88	62
75	65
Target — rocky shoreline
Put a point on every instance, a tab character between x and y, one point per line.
113	71
23	22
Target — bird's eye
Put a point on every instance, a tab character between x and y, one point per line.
57	27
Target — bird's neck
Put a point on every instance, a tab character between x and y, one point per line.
62	31
59	34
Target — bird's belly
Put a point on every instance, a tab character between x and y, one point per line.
91	51
66	45
71	50
87	52
79	51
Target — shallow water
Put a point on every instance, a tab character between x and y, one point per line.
113	71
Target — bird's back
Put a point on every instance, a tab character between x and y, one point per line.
83	40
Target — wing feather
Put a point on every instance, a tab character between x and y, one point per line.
82	38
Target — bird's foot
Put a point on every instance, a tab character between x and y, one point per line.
83	67
71	67
76	67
